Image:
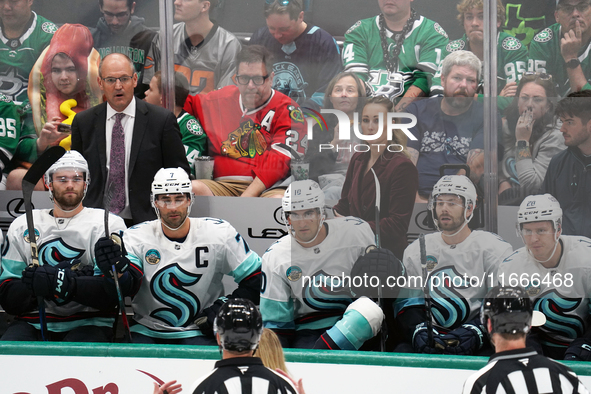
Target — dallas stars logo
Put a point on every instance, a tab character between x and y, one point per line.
511	44
49	27
544	36
440	30
194	127
455	45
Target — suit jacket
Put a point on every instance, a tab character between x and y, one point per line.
156	144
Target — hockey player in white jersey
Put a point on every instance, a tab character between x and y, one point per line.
555	270
80	303
461	265
184	260
305	295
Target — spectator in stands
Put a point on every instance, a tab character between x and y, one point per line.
562	49
511	54
23	36
396	173
525	18
414	44
530	138
194	139
203	51
119	30
245	125
329	156
306	57
449	128
569	177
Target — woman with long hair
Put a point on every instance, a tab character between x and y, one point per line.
530	137
397	175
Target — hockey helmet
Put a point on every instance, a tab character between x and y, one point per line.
239	325
303	195
538	208
71	160
459	185
509	309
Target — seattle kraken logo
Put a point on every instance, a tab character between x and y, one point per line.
169	287
57	250
560	314
449	308
324	291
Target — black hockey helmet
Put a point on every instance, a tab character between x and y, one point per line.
239	324
509	309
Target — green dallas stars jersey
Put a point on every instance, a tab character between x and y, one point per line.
545	56
194	138
17	137
511	60
418	60
18	56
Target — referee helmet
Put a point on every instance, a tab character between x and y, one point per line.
509	309
239	325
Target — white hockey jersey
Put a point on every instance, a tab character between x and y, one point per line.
459	275
561	293
181	279
307	288
59	239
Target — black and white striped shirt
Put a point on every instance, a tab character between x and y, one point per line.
243	375
523	371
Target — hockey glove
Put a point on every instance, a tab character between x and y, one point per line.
380	263
420	340
465	340
107	253
205	319
49	282
579	350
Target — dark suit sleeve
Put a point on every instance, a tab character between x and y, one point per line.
173	151
76	137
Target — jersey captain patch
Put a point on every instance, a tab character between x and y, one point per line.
544	36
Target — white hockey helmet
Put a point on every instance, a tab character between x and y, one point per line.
459	185
171	181
303	195
539	208
70	160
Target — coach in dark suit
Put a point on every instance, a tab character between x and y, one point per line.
125	141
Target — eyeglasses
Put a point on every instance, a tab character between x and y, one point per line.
245	79
569	9
120	15
171	202
539	232
309	215
66	179
538	75
112	80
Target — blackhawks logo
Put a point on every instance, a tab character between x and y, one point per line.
49	27
194	127
440	30
455	45
246	141
544	36
511	44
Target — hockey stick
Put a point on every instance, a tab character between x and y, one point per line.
37	170
425	275
107	203
377	220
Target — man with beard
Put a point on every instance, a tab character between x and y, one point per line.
562	50
80	303
184	260
449	128
461	267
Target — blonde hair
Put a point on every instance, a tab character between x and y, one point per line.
466	5
270	351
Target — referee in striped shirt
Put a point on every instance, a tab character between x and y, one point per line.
507	313
238	328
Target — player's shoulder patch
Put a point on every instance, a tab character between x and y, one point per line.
455	45
355	26
511	44
4	98
544	35
49	27
194	127
440	30
295	113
